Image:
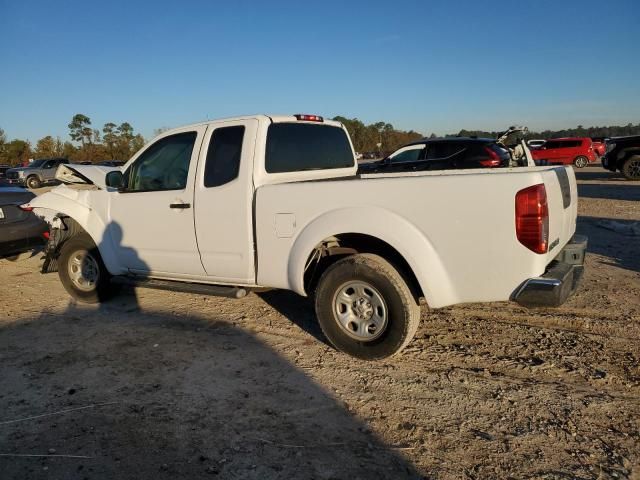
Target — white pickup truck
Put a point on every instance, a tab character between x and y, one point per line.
225	206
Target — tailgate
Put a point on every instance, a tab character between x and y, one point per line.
562	197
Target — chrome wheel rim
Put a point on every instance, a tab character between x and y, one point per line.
83	270
360	311
581	163
634	169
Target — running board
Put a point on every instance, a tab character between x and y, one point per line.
185	287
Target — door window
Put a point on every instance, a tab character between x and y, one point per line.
162	166
408	154
223	157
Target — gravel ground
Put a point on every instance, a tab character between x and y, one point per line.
169	385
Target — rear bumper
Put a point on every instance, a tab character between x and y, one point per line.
559	281
22	236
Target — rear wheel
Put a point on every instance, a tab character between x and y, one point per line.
82	271
33	182
631	168
365	307
581	162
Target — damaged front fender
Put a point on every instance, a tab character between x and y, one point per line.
73	210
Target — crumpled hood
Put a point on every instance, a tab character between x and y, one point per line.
88	174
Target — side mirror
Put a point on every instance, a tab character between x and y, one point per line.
115	179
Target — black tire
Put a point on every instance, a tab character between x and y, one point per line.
581	162
631	168
82	246
33	182
402	312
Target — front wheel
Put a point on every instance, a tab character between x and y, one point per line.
631	168
33	182
581	162
365	308
82	271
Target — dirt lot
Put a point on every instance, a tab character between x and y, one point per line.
168	385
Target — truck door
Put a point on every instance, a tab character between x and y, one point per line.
224	202
150	221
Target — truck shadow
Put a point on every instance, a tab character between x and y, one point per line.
298	310
617	240
170	396
590	173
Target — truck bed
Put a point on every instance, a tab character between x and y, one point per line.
456	227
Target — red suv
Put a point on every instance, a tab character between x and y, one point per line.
565	151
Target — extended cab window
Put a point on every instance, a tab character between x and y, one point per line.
223	157
162	166
295	147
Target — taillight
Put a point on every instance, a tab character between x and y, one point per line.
308	118
46	235
493	161
25	208
532	218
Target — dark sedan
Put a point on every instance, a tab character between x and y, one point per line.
20	229
443	154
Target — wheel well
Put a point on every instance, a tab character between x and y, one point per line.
68	228
332	249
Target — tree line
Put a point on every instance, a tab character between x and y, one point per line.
120	142
376	137
112	142
579	131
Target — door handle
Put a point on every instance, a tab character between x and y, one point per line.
180	205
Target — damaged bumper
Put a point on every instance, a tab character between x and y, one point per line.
560	280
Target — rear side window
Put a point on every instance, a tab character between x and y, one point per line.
443	149
223	157
296	147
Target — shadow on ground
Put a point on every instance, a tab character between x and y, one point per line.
299	310
614	239
186	397
613	191
591	174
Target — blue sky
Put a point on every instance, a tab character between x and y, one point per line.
432	66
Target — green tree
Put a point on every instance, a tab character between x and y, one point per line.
48	147
69	151
17	152
110	139
80	129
